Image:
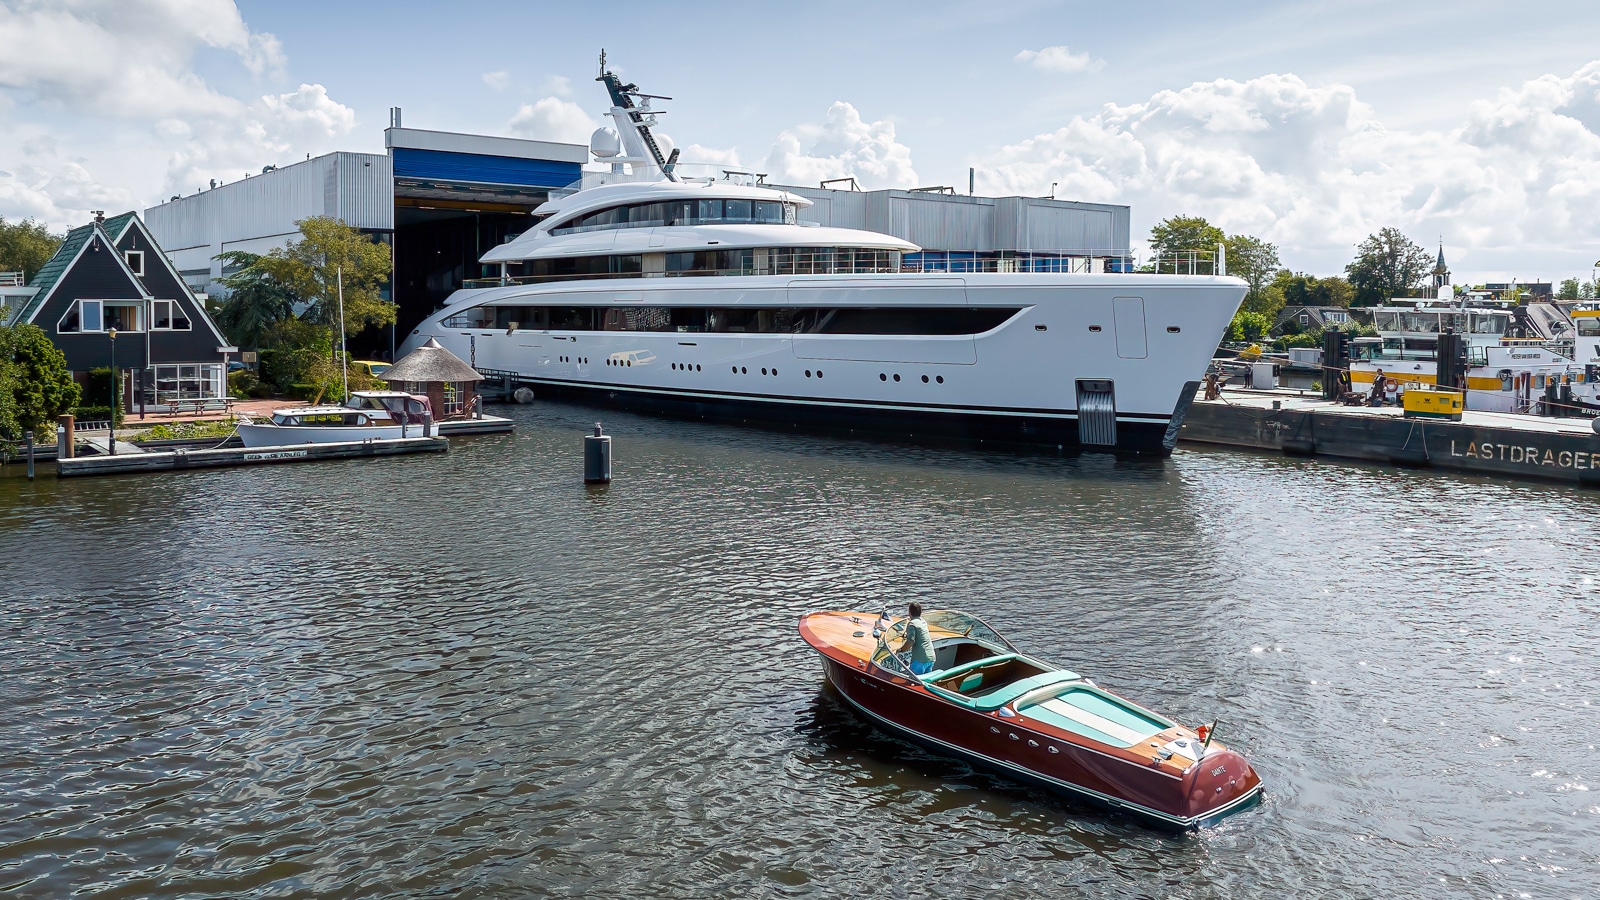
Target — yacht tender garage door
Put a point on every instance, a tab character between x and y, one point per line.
950	349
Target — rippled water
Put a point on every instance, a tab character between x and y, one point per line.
470	676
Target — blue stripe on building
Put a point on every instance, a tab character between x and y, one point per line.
473	167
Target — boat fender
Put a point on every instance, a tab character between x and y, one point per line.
1005	713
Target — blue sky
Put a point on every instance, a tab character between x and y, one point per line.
1309	124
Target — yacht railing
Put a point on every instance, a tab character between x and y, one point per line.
870	262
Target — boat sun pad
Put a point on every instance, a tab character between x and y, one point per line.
1086	713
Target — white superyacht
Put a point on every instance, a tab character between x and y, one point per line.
710	298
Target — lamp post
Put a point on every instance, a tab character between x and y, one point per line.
111	440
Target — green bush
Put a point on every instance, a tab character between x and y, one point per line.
98	391
302	391
91	413
183	431
241	383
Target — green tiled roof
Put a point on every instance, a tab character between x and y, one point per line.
50	273
115	225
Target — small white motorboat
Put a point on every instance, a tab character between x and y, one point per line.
324	425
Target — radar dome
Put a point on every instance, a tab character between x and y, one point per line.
604	143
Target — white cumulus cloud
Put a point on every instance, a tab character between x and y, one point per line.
553	119
115	81
124	59
1311	168
498	80
272	130
842	145
1059	59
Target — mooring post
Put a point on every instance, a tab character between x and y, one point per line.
597	457
427	424
27	436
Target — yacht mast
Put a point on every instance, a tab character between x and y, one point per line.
634	122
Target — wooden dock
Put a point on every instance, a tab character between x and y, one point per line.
1500	444
186	460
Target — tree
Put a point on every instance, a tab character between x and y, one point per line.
1255	261
1180	235
1570	290
1247	326
1387	264
35	385
309	269
26	246
255	302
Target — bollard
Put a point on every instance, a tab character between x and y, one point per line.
597	457
61	441
70	445
28	437
427	424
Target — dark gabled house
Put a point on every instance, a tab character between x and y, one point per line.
1295	319
110	275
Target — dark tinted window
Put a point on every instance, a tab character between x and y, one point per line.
745	320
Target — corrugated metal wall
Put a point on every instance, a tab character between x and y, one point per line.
258	213
956	222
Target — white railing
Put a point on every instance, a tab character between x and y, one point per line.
1190	262
12	279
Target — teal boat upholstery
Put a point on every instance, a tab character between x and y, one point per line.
1086	711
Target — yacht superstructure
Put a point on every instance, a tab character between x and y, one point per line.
711	298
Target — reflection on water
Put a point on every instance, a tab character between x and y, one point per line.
470	676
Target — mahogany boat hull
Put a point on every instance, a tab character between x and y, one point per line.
1164	795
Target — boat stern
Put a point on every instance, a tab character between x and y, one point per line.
1222	782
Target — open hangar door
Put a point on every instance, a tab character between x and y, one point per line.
437	243
456	197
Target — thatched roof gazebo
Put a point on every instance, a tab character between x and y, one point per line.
443	377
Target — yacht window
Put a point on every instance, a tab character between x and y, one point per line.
681	212
769	211
1588	325
776	320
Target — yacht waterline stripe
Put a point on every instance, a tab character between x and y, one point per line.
862	404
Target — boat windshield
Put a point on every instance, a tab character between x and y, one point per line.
966	626
944	623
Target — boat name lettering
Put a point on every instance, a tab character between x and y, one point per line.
276	454
1516	355
1219	770
1532	456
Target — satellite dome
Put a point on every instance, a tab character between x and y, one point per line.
604	143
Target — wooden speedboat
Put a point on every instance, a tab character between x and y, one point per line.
986	702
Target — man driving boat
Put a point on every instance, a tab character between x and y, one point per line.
919	641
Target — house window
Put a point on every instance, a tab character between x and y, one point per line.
136	261
454	398
102	315
200	381
168	315
1305	319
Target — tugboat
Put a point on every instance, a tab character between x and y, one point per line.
986	702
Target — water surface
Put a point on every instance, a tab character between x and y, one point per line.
469	675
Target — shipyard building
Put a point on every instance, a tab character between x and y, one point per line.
443	199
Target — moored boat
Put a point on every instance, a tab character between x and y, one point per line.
322	425
986	702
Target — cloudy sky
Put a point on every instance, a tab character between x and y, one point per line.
1309	124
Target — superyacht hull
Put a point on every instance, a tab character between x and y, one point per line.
1097	362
